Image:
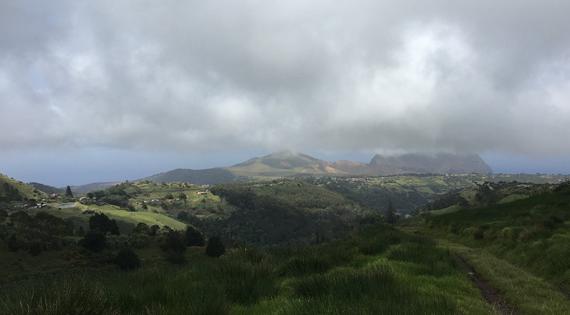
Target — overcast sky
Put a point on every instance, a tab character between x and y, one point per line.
108	89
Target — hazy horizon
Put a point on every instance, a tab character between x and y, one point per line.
111	166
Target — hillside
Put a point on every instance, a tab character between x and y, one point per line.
47	188
14	190
530	232
285	163
407	193
283	212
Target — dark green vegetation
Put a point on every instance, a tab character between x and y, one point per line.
378	271
533	233
283	211
407	192
305	245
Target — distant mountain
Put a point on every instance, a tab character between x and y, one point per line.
47	188
283	163
288	163
83	189
201	177
440	163
351	167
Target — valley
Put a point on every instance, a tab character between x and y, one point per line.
300	244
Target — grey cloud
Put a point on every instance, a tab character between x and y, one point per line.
365	75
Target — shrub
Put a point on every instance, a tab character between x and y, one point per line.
174	246
127	259
94	241
142	228
182	216
215	247
14	244
101	223
154	230
478	234
35	248
194	237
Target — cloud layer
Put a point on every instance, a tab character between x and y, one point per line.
481	76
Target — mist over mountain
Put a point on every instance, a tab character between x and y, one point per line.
424	163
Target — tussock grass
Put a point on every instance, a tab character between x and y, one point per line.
335	278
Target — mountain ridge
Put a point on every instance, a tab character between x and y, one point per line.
289	163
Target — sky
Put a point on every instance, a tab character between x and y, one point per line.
114	89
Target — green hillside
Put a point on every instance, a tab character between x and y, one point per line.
533	233
14	190
406	192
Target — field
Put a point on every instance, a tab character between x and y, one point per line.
133	218
379	271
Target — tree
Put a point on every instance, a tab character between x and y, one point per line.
183	197
215	247
142	228
182	216
127	259
390	214
154	230
194	237
94	241
174	246
68	192
100	222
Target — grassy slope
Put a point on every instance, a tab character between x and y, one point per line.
530	294
381	271
114	212
25	190
532	234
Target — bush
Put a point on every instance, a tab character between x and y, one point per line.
14	244
127	259
215	247
35	248
182	216
154	230
101	223
142	228
194	237
174	246
94	241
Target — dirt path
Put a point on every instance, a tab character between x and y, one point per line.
490	294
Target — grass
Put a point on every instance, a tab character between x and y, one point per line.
531	233
114	212
530	294
345	277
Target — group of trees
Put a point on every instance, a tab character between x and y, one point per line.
115	195
33	234
10	193
172	243
175	243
